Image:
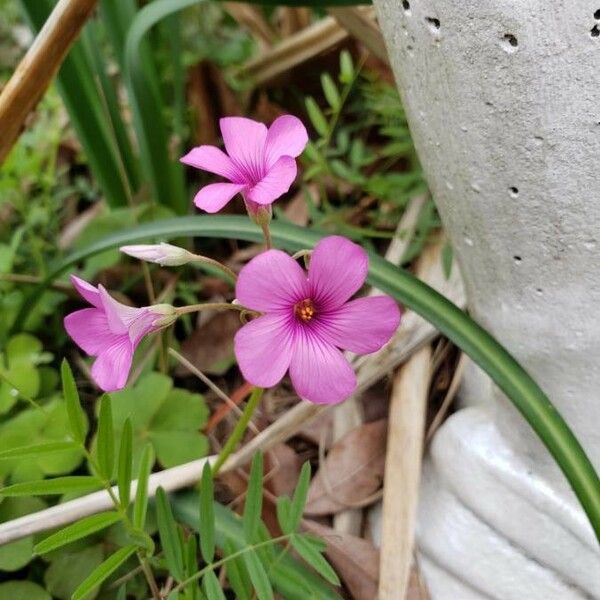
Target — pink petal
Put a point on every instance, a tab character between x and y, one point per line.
319	371
119	316
111	369
287	136
212	198
245	143
271	281
263	349
275	183
210	158
337	270
87	291
361	326
89	330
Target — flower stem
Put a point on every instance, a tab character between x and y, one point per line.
239	430
183	310
215	263
267	234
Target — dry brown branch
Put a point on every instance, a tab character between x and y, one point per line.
37	68
403	473
361	24
295	50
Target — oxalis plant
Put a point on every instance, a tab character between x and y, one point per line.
297	318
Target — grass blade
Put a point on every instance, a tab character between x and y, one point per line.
211	586
448	318
77	531
105	446
141	495
102	572
314	558
77	420
169	536
124	471
56	486
253	502
207	515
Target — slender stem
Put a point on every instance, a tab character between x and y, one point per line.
239	430
267	235
221	562
215	263
184	310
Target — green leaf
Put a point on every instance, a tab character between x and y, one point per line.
447	255
313	3
331	92
207	515
37	450
105	445
346	67
69	568
237	574
103	571
22	590
124	471
314	558
284	506
258	576
77	419
415	295
253	502
78	530
211	586
169	537
316	116
141	494
58	485
300	495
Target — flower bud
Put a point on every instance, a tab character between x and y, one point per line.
167	314
162	254
261	214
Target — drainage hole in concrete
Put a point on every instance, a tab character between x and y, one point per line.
434	24
595	31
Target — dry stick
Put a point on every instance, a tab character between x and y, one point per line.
361	24
348	416
413	333
35	71
408	407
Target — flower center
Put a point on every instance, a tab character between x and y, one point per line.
305	310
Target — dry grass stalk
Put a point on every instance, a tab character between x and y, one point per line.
295	50
361	24
408	408
251	18
37	68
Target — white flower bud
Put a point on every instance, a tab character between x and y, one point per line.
162	254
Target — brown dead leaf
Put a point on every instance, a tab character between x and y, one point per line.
284	465
354	559
352	471
210	347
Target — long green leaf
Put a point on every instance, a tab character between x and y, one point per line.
300	495
253	501
102	572
477	343
314	558
105	445
77	531
164	174
211	586
237	574
75	413
79	92
141	494
38	450
258	576
58	485
207	515
125	460
169	536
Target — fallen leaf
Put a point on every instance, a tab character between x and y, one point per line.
283	466
354	559
352	471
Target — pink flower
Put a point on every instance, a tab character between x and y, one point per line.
111	331
308	318
260	163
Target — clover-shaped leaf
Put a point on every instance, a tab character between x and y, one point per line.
169	418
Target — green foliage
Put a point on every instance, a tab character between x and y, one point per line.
23	590
253	502
77	420
207	515
56	486
167	417
140	506
105	444
169	536
125	466
20	376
